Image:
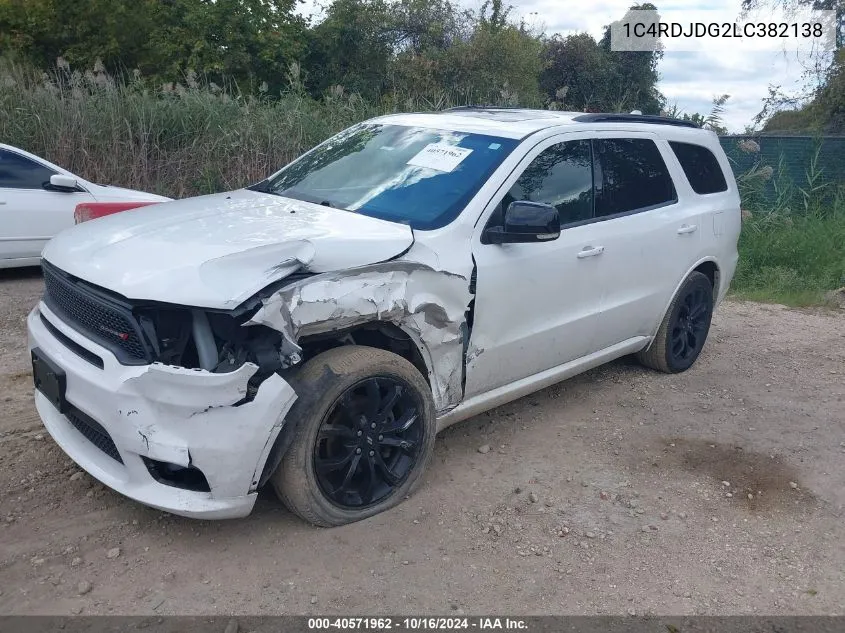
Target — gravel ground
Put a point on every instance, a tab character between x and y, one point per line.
717	491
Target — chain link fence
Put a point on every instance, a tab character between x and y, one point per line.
788	165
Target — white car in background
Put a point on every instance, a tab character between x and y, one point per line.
37	201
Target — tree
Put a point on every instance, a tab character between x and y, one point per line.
497	63
577	73
582	74
424	26
821	108
636	73
82	32
244	40
352	47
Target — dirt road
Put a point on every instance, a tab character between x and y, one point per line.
718	491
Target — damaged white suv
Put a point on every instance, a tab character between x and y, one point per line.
317	329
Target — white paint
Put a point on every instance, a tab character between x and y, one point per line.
427	304
440	157
528	385
166	413
30	217
216	251
541	313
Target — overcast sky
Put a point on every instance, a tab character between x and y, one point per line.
690	80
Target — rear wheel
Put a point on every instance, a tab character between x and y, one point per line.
684	328
365	427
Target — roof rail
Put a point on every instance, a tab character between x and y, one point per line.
633	118
482	107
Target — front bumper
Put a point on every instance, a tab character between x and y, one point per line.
169	414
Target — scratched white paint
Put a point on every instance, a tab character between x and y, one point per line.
429	305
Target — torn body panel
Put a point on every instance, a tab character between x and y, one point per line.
429	305
177	417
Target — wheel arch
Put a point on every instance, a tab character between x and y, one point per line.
707	266
383	335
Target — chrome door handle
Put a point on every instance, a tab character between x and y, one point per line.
687	228
591	251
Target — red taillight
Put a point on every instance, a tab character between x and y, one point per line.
93	210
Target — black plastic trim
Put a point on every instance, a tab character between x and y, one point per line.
108	301
72	345
93	431
633	118
175	476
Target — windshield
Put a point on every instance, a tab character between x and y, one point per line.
415	176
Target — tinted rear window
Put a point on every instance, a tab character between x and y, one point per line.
629	175
701	168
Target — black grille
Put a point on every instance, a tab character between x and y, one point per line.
93	314
93	431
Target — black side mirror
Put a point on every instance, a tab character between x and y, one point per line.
526	222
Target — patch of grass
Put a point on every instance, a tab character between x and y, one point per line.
791	259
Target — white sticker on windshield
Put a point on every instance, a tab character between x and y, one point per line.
440	156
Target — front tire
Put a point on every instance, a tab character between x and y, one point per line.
683	331
364	434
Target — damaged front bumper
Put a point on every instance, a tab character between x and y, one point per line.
181	440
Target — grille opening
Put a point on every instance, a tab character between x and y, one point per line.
176	476
92	313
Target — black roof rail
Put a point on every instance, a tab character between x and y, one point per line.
633	118
482	107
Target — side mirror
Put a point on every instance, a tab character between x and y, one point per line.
60	182
526	222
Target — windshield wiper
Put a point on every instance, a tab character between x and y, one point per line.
261	187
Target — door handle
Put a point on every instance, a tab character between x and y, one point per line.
591	251
687	228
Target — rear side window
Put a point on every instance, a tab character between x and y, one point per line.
18	172
630	175
701	168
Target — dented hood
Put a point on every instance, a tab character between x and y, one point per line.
216	251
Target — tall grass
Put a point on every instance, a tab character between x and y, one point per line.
792	245
178	140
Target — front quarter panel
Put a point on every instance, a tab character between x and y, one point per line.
429	305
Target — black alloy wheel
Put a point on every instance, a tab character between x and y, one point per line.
368	443
689	329
684	328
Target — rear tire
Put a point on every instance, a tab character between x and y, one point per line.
683	331
364	434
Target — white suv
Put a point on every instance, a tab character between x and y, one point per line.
317	329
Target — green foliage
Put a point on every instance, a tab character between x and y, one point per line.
496	65
822	109
712	121
427	51
242	40
793	260
352	47
824	113
582	74
792	246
